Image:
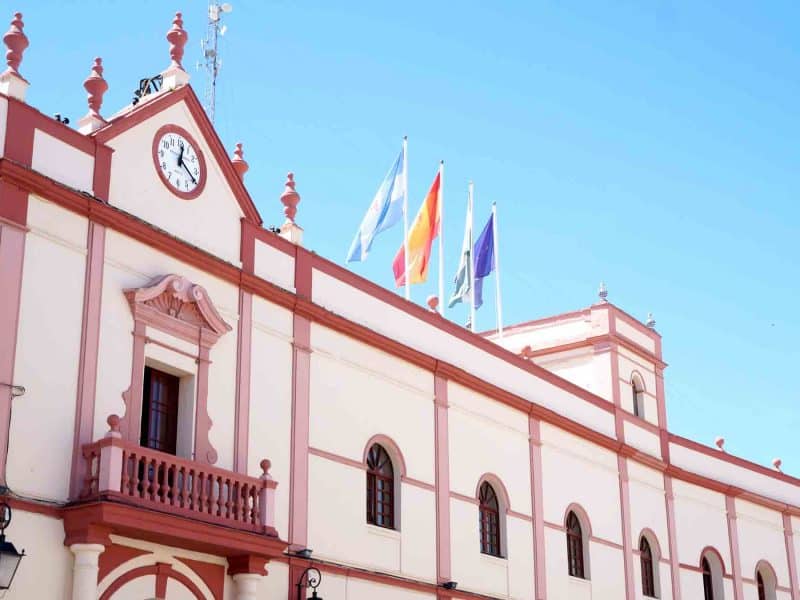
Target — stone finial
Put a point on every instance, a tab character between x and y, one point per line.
602	292
113	426
526	352
777	462
651	322
11	82
16	41
290	199
175	75
95	87
177	38
265	465
433	303
720	443
239	163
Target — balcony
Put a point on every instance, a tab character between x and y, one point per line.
131	490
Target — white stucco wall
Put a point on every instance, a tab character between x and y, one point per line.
48	346
271	401
62	162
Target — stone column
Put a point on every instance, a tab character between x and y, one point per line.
245	586
85	569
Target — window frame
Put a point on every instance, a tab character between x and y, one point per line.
490	523
381	488
708	579
646	562
638	390
576	560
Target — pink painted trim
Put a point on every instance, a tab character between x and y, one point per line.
342	460
203	450
463	498
442	476
12	254
87	363
669	500
733	538
625	519
788	535
519	515
301	407
591	538
418	483
390	445
619	425
537	504
243	360
739	462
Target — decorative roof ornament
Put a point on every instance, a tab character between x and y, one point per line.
720	443
290	199
602	292
651	322
16	41
12	83
95	87
239	163
176	75
433	303
777	462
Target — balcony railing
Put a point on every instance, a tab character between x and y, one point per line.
121	471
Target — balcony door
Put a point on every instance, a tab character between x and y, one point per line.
160	411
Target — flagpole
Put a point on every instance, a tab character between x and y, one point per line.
441	237
471	258
498	300
405	216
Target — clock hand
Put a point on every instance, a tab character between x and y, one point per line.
180	157
183	164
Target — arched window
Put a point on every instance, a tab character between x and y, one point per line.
713	572
708	580
380	487
490	520
575	546
637	387
766	582
646	559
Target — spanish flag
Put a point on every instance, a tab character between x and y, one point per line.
423	231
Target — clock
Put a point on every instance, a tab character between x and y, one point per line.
179	161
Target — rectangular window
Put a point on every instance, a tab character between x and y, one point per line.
160	411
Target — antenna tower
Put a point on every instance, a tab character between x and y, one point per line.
212	62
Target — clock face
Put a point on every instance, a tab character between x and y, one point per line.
179	161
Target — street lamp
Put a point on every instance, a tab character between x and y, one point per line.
310	578
9	557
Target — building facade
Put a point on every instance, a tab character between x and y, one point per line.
210	408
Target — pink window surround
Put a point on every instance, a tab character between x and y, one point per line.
537	502
733	538
442	474
176	306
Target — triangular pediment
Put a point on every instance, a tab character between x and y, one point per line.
209	215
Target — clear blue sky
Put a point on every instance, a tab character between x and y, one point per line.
654	145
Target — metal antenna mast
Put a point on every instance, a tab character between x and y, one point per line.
210	44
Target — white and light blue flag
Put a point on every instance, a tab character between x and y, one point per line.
385	210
